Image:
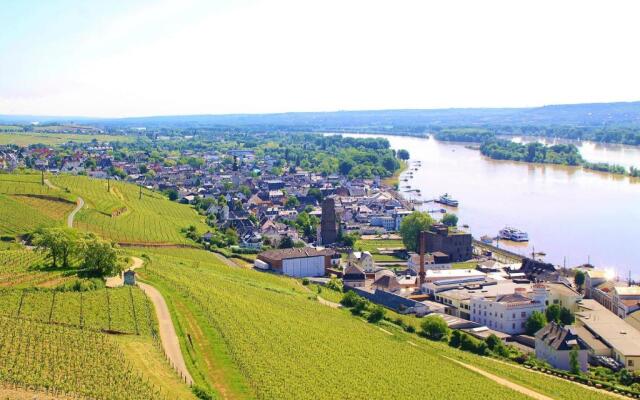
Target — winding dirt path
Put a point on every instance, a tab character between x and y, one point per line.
501	381
168	336
72	215
50	185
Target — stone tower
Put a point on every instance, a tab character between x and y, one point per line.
328	223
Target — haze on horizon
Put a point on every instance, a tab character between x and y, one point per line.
141	57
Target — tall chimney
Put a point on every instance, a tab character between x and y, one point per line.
421	245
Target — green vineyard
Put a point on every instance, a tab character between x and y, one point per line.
67	361
123	310
121	215
284	344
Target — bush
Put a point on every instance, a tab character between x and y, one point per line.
81	285
473	345
350	299
376	314
305	281
410	329
335	284
454	340
434	327
202	393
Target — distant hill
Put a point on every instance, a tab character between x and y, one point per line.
595	115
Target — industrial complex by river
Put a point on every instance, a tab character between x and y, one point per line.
572	215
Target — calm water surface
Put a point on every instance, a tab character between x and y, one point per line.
570	214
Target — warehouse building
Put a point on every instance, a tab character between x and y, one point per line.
298	263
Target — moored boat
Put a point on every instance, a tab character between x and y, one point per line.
513	234
447	200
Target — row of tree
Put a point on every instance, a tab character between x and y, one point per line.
67	248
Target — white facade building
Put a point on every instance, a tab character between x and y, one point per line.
508	313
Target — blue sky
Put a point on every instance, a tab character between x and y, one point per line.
125	58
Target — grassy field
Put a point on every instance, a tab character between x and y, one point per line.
465	265
25	139
372	246
266	334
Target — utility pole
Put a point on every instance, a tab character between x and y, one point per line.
42	176
140	195
108	184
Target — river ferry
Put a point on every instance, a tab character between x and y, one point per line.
513	234
447	200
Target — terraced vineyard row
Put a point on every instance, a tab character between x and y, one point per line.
26	204
125	310
290	347
57	359
121	215
16	268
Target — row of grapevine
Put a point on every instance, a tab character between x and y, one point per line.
119	310
56	359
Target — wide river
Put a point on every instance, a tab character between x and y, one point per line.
572	215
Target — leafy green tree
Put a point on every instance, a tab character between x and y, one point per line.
172	194
100	257
552	313
350	239
403	154
307	224
315	193
580	278
450	220
566	317
345	166
286	243
376	314
60	243
535	322
574	362
410	227
454	340
292	202
434	327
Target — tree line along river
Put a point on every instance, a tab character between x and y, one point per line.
572	215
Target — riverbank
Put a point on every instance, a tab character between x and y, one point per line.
550	202
394	180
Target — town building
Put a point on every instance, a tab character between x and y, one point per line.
297	262
353	276
362	259
554	344
508	313
328	222
456	244
622	340
626	300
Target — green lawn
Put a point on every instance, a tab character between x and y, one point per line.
372	246
465	265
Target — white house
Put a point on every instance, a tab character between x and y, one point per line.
554	344
362	259
508	313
